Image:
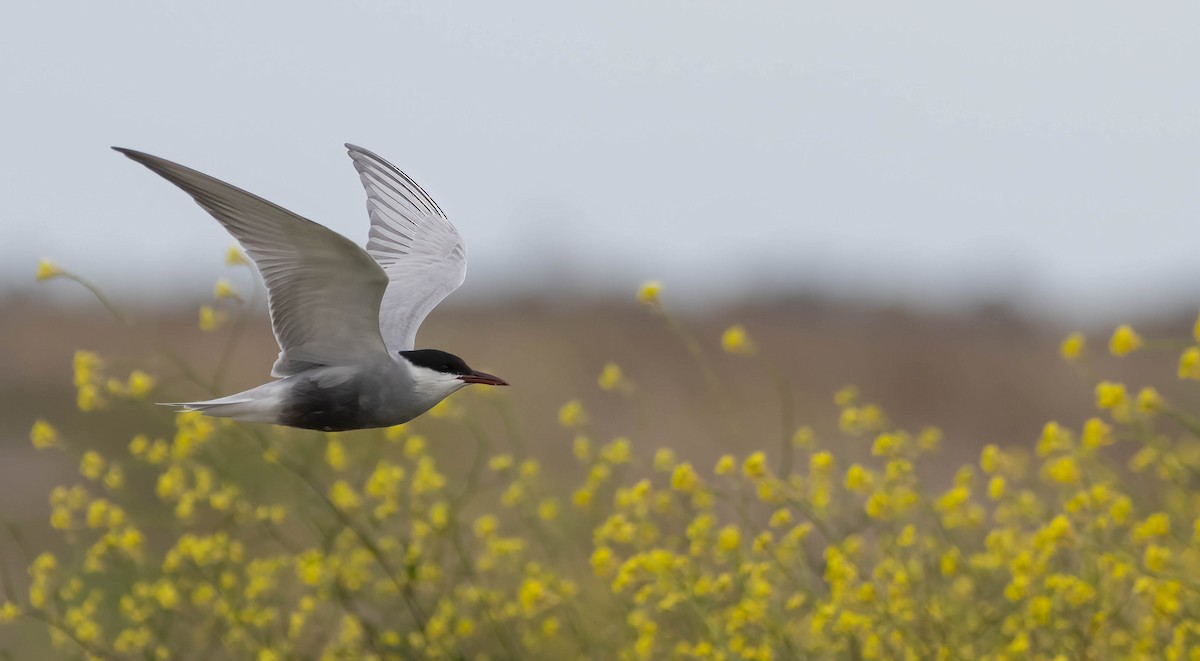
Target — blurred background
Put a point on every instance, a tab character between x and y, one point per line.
917	200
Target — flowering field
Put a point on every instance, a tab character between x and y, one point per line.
224	540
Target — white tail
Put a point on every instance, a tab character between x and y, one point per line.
259	404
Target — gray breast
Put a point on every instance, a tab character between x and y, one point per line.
328	400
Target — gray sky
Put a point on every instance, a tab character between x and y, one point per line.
927	152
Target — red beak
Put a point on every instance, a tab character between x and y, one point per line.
483	378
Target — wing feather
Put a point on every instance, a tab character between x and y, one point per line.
422	253
323	291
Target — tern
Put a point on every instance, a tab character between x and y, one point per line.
345	318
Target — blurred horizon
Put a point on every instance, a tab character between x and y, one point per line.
1046	157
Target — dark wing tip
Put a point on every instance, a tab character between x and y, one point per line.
140	157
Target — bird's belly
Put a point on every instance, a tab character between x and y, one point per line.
351	404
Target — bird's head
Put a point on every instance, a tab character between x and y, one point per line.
440	371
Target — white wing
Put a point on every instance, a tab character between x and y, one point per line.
323	290
423	255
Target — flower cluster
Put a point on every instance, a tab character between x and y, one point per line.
222	540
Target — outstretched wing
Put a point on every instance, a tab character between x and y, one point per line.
323	290
423	255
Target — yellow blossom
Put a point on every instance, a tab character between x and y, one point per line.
1124	340
43	435
225	290
343	495
572	415
547	509
611	377
1096	434
581	447
1156	557
755	465
664	460
725	465
996	487
1189	363
649	292
684	478
736	340
234	257
9	612
1110	395
139	384
858	478
803	437
1155	526
617	452
729	538
989	458
821	462
1149	401
1072	347
91	465
335	453
47	269
210	318
1063	470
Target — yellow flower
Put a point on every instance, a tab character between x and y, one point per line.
821	462
617	452
548	509
888	445
1096	434
1063	470
603	562
47	269
9	612
755	465
343	495
1124	340
1110	395
225	290
1189	363
1149	401
858	479
803	437
649	292
664	459
1156	557
234	257
996	488
139	384
989	458
572	414
729	538
43	435
1072	347
91	465
335	453
684	478
725	465
166	594
210	318
611	377
735	340
780	518
581	447
1156	525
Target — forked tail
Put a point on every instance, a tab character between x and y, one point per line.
238	407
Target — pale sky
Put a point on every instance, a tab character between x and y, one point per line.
928	152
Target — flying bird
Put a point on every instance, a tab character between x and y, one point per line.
345	318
